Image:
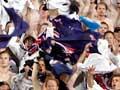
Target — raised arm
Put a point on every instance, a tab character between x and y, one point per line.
76	69
35	81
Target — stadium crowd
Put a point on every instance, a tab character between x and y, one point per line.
59	44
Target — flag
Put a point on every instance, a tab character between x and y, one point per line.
72	35
20	27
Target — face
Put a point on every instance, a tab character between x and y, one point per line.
28	44
110	38
51	85
116	83
117	35
103	29
43	13
101	10
65	78
118	3
42	66
4	60
4	87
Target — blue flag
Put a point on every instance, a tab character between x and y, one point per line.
72	35
20	27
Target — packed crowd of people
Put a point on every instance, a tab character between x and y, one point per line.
59	44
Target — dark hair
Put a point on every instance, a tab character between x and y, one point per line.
40	58
105	23
74	7
5	83
109	32
6	1
5	51
29	38
30	64
114	75
117	29
102	3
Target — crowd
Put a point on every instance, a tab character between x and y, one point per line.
59	44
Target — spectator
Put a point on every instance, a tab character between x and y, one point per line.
5	73
113	46
4	86
92	85
104	27
51	84
115	83
39	73
23	80
101	9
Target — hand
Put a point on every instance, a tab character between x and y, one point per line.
87	48
90	79
27	68
91	70
115	47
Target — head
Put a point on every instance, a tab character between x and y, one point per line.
42	67
117	36
74	7
104	28
115	82
101	9
65	77
51	83
9	27
28	68
117	33
43	12
4	86
28	41
110	37
118	3
4	58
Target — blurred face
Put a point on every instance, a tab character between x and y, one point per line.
42	66
4	87
43	13
118	3
103	29
117	35
101	10
4	60
65	78
116	83
28	44
51	85
110	38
